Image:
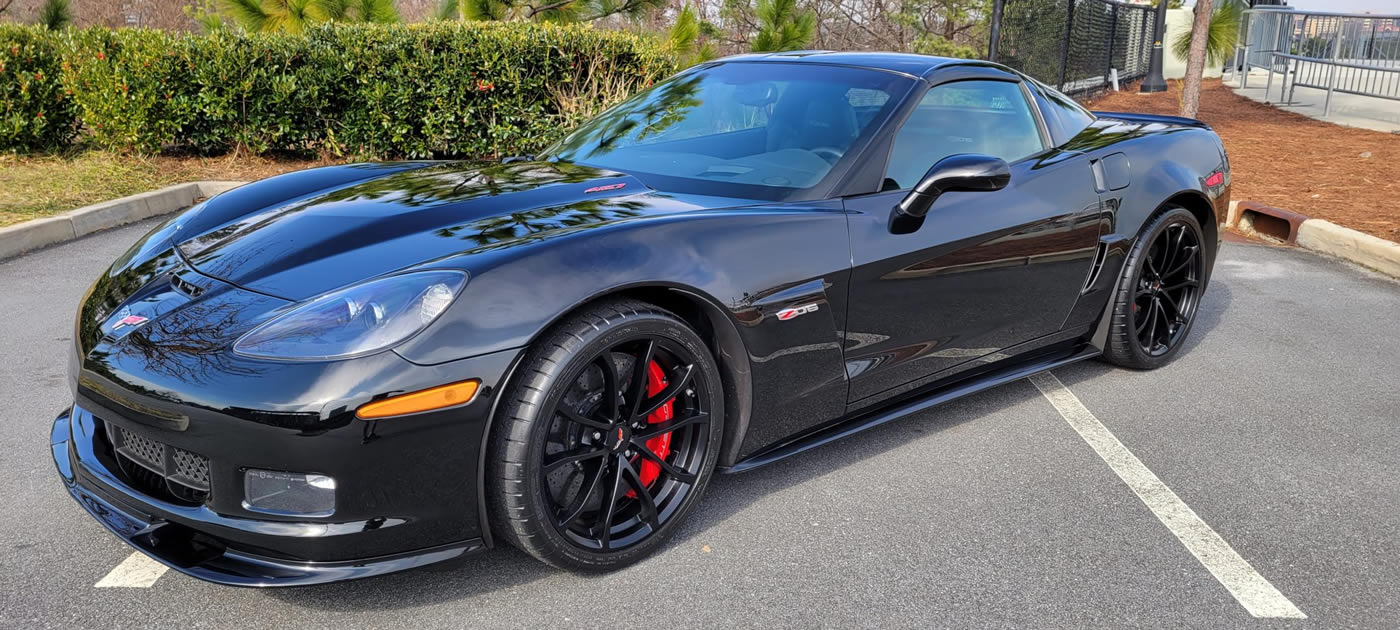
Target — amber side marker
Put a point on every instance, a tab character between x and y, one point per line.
426	400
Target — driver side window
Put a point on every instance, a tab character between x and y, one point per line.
988	117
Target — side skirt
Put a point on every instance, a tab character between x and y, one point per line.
929	400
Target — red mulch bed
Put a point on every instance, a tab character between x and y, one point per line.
1344	175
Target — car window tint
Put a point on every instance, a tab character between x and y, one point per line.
726	113
1063	117
756	130
723	113
988	117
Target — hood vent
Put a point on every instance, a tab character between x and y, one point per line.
185	287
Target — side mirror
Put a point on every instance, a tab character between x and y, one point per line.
971	172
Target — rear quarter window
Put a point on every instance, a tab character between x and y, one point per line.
1064	118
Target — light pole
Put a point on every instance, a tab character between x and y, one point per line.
998	8
1154	81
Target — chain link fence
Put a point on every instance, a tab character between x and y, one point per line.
1073	44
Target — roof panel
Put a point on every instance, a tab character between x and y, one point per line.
917	65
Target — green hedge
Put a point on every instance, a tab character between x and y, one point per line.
35	111
444	89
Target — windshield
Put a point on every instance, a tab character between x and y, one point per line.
756	130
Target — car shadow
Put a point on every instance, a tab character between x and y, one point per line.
505	567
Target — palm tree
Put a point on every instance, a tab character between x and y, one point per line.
55	14
272	16
373	11
782	26
1221	36
543	10
684	39
1196	60
293	16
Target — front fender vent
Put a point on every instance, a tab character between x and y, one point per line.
1099	254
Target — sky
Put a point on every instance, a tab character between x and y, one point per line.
1390	7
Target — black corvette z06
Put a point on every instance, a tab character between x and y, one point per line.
358	369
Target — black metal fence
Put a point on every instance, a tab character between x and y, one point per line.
1073	44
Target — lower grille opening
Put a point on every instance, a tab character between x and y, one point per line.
183	546
158	469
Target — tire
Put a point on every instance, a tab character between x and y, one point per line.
555	418
1149	297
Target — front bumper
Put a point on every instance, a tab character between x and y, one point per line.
409	489
178	536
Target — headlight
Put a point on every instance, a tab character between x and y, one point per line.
356	320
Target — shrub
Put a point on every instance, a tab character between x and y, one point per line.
264	92
35	111
132	87
443	89
480	89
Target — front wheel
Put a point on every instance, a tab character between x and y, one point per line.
1159	292
607	437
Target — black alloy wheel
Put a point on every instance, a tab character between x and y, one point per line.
1159	293
1167	289
608	439
626	444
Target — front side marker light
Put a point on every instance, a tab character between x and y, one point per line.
439	397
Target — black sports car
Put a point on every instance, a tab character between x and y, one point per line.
359	369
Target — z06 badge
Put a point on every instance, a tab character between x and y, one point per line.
789	313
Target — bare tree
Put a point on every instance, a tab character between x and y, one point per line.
1196	60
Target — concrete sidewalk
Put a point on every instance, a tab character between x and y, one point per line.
1365	112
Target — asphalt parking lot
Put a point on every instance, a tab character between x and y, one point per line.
1276	429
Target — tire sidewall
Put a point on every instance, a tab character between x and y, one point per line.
1166	218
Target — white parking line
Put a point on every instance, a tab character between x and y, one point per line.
1255	593
137	571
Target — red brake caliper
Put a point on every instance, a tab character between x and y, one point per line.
661	444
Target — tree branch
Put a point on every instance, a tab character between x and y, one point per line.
548	7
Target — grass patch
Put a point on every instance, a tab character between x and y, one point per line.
36	186
33	187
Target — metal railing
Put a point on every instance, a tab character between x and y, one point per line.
1338	52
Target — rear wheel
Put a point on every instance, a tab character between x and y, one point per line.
606	439
1159	293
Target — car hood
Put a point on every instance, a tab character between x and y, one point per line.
383	218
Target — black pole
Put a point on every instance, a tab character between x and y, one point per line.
1064	46
1371	44
1154	81
998	8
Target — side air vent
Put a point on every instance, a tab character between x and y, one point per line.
1099	254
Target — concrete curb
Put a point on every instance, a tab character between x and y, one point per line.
1358	247
1317	235
74	224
